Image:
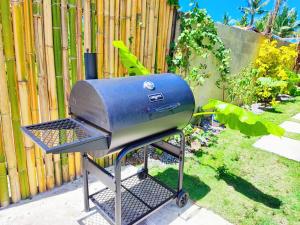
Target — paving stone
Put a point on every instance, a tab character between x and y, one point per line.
297	117
189	215
285	147
290	126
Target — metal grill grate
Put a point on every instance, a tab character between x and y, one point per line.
60	133
148	190
139	198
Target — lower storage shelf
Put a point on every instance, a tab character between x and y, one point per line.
140	197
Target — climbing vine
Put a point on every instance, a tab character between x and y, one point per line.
199	38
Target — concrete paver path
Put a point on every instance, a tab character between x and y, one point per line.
297	117
64	206
290	126
285	147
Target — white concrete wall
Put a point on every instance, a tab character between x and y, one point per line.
244	46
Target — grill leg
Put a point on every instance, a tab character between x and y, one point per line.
181	162
146	159
118	218
85	184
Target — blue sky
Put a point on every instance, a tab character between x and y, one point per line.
217	8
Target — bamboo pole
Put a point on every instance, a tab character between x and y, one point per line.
133	25
42	82
122	31
161	20
4	195
93	25
57	48
80	71
17	15
154	37
100	37
170	27
87	26
128	22
6	128
106	39
138	28
151	37
146	43
165	35
65	54
30	55
75	74
117	37
143	26
51	79
66	78
111	37
12	87
72	36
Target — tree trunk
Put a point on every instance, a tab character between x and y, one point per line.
252	20
297	64
272	17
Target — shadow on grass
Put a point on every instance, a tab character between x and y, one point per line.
191	184
249	190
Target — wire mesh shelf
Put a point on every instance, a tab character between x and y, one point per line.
60	135
139	198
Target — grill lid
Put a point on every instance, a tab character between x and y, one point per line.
118	104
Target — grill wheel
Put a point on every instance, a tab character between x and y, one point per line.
182	199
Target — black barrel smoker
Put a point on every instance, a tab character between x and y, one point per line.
122	115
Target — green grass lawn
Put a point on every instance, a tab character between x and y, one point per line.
257	188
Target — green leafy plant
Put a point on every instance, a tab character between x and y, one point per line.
199	37
269	88
243	22
293	83
129	60
240	119
241	87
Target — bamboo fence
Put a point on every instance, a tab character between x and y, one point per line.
41	57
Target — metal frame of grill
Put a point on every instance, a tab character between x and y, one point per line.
128	201
124	202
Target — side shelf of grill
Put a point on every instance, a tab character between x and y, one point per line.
67	135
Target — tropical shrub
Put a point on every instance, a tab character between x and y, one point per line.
274	63
293	83
268	89
241	87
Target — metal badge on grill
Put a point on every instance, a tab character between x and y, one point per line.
156	97
149	85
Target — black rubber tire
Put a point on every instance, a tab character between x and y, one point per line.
182	199
142	175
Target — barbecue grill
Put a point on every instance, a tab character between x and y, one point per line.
122	115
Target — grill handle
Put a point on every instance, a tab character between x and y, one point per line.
166	108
